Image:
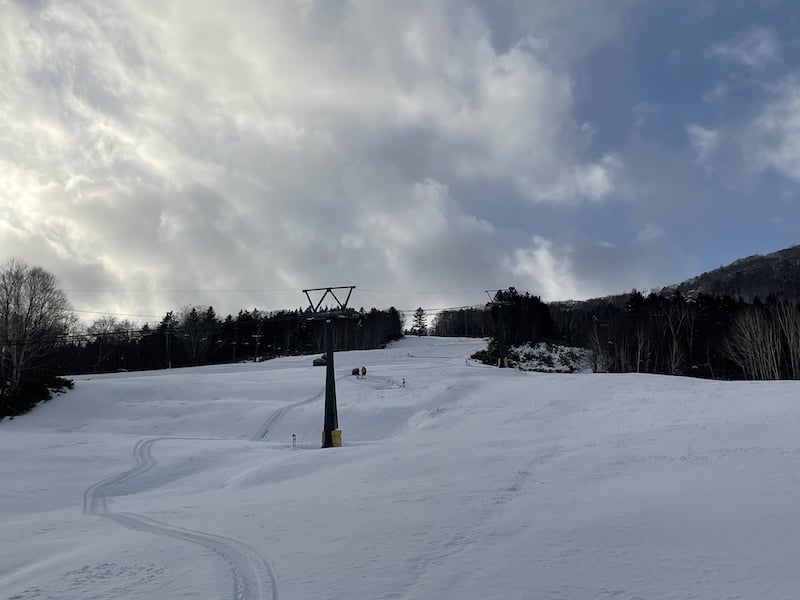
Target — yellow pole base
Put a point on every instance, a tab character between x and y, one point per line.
336	439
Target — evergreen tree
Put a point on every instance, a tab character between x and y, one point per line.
420	325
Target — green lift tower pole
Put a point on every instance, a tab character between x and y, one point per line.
501	339
331	434
331	423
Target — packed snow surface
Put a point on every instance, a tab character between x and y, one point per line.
466	482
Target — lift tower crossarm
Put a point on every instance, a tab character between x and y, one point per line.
342	306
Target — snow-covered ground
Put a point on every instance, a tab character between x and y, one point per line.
469	482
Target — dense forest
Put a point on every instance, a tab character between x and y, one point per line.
197	336
667	333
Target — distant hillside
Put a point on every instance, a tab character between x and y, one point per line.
773	274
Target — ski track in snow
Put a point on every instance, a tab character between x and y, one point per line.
264	430
251	574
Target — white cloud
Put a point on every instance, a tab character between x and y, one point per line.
545	271
592	182
772	140
704	142
561	269
755	48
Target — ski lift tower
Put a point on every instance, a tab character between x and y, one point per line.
331	434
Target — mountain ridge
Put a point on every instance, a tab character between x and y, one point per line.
755	276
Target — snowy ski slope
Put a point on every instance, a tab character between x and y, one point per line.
467	482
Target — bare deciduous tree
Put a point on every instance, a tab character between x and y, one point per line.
641	336
787	316
754	343
34	315
598	344
675	316
109	332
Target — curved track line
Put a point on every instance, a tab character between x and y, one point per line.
252	576
94	498
264	430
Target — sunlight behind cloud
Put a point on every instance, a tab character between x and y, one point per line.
202	137
191	145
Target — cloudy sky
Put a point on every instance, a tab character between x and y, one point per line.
161	154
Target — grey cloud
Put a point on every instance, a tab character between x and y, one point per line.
189	146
